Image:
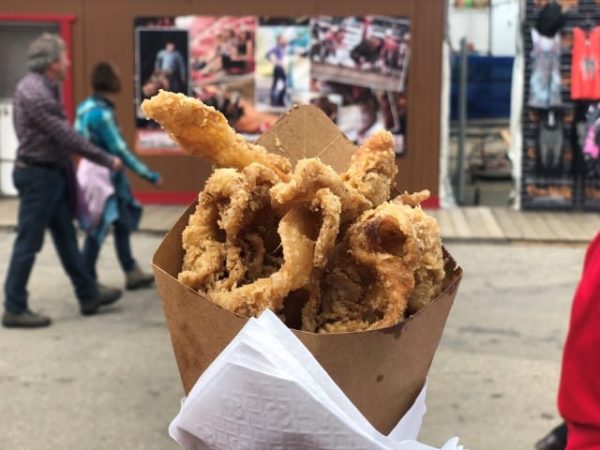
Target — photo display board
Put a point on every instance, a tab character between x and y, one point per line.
253	69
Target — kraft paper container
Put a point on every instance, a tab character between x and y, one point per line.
381	371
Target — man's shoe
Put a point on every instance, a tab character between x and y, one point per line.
106	296
26	319
138	279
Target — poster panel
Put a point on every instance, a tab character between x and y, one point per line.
162	62
283	67
252	69
359	70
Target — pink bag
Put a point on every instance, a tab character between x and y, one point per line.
590	147
95	188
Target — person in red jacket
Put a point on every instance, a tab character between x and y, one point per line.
579	389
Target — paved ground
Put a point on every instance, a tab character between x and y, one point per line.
494	378
110	381
97	383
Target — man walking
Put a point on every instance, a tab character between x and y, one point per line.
43	176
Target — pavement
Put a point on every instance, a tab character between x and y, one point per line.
110	381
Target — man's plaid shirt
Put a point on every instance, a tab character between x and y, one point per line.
43	131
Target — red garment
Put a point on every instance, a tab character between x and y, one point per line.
582	438
585	64
579	390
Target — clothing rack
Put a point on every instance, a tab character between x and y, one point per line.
572	176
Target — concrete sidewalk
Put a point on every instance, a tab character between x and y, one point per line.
457	224
110	381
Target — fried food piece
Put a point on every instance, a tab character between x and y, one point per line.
373	170
389	263
243	262
310	311
330	207
335	294
261	233
381	279
386	242
203	262
203	131
298	249
229	204
311	175
430	273
228	254
203	251
240	196
414	199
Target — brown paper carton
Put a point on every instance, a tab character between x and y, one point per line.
381	371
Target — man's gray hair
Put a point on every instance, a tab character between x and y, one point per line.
45	50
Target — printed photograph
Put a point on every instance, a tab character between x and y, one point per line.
162	62
360	111
283	67
221	48
223	66
365	51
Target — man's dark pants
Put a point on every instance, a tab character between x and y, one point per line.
44	203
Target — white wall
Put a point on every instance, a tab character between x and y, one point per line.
8	148
445	187
490	31
504	24
472	24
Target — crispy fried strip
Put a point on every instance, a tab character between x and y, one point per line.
381	242
230	200
202	263
205	254
226	190
430	273
403	245
244	261
298	249
330	207
236	269
373	170
394	253
203	131
311	175
414	199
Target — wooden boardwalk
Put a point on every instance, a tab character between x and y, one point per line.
462	224
456	224
504	224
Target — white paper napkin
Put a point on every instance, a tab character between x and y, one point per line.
267	391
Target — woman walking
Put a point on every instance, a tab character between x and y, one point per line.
108	194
